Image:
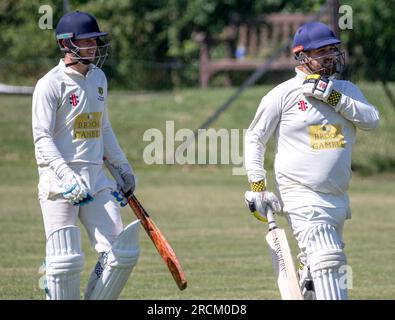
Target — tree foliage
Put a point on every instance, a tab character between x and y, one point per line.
151	40
370	42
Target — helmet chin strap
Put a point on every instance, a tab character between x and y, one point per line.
71	64
78	59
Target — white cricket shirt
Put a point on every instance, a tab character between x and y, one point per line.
70	121
313	142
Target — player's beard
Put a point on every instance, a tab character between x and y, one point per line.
326	66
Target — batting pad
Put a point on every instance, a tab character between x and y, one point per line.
326	259
64	263
114	267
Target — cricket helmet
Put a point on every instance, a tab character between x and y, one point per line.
78	26
315	35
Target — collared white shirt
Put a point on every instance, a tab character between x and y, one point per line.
70	121
313	142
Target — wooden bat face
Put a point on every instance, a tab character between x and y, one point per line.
162	245
283	265
165	250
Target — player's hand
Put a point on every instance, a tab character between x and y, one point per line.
75	190
320	88
129	182
258	203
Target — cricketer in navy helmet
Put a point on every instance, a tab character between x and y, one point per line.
72	134
313	118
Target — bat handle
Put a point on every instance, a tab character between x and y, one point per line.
270	218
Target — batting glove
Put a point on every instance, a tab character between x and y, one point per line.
129	182
75	190
259	200
321	89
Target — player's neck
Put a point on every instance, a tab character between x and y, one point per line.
79	67
303	69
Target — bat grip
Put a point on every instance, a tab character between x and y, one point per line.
270	218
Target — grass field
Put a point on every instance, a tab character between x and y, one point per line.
200	209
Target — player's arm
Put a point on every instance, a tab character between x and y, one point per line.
112	149
44	106
347	100
261	129
114	154
355	107
258	134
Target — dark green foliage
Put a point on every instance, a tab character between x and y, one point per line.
152	46
371	42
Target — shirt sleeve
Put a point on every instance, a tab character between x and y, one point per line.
112	149
259	132
44	107
355	108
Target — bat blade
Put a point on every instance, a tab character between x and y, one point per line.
283	265
162	245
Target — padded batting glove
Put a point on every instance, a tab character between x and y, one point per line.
75	190
321	89
129	182
259	199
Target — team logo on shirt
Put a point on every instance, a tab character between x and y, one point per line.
327	136
73	99
87	126
100	91
303	105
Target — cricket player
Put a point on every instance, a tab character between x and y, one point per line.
72	134
313	117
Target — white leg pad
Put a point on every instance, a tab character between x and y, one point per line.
114	267
64	263
326	257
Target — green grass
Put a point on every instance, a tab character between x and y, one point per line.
200	209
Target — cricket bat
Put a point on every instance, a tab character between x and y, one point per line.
284	268
161	244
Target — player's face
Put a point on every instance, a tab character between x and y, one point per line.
323	59
326	60
87	47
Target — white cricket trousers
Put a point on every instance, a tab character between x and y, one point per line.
303	220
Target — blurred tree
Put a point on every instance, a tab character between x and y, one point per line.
371	42
25	48
151	39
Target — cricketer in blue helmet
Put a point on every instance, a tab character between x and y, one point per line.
72	133
313	118
316	48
